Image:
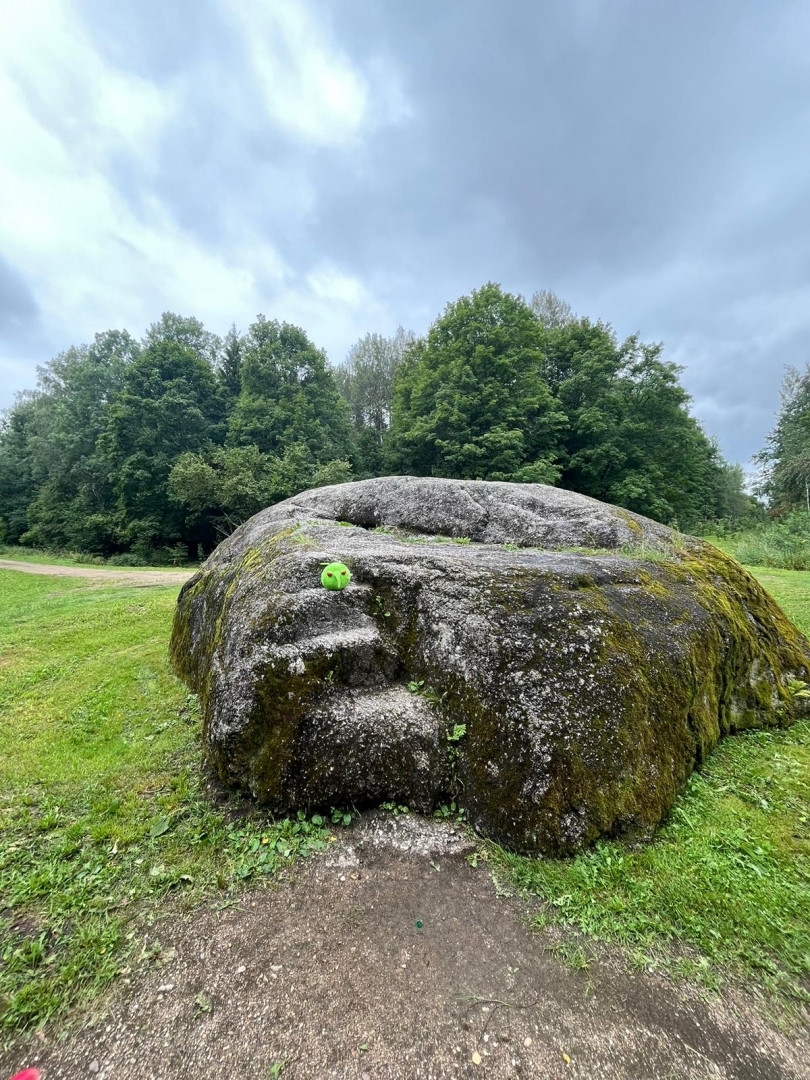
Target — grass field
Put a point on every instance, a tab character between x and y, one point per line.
783	543
102	811
105	823
49	558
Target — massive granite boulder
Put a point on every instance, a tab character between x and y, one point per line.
557	665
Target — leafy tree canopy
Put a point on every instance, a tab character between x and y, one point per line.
169	405
172	441
785	459
629	438
550	310
288	395
19	471
366	381
225	486
72	502
187	331
366	378
471	400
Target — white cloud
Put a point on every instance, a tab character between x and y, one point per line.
97	260
63	225
327	282
309	88
49	69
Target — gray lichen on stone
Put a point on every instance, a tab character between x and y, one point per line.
589	686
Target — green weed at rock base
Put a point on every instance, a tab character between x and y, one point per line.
450	811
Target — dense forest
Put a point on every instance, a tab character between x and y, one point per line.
153	450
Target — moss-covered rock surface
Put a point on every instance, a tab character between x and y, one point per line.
556	665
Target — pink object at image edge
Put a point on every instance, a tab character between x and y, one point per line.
27	1074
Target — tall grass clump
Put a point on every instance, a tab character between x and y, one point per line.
783	544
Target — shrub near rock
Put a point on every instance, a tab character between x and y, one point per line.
589	657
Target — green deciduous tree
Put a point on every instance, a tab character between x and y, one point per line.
177	439
187	331
733	505
225	486
288	396
550	310
288	430
74	506
366	381
629	438
169	405
471	400
785	460
20	467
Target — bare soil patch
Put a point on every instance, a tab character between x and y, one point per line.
390	956
96	573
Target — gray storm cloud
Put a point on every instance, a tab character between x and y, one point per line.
356	165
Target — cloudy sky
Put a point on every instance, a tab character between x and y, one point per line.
352	165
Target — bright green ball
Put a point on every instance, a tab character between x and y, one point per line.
335	576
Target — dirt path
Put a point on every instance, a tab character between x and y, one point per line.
95	573
390	957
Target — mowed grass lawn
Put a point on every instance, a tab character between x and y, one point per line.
103	816
106	824
47	558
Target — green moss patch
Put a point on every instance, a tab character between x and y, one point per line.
723	890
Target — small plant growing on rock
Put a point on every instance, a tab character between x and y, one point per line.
433	697
454	737
798	688
379	608
202	1004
